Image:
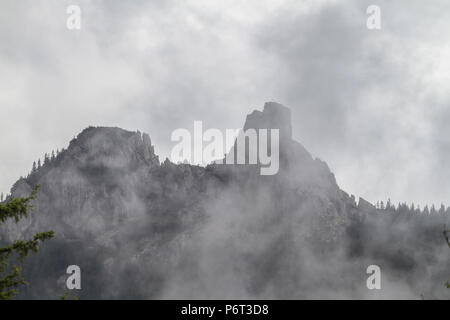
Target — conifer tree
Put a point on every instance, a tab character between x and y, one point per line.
433	209
388	204
12	257
46	159
447	238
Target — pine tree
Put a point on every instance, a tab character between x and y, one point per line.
1	197
53	155
39	164
46	159
388	204
447	238
433	209
33	170
418	211
12	257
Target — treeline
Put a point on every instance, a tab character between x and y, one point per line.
38	169
412	209
49	158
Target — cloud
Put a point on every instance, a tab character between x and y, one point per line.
372	104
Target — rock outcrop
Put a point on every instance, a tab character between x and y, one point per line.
139	228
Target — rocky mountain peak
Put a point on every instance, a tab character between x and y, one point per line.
112	143
273	116
154	231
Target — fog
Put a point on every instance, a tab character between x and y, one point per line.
141	229
372	103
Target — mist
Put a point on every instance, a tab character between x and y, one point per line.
372	103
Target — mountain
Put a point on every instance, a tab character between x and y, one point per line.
142	229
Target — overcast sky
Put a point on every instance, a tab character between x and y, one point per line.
374	104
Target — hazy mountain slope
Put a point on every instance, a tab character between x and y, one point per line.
139	228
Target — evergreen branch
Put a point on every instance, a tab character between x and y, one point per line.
17	208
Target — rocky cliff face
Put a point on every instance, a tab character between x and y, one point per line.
139	228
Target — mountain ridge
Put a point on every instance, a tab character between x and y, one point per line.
119	212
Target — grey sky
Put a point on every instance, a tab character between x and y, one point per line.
373	104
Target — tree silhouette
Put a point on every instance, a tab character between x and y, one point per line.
46	159
389	204
447	238
12	257
433	210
